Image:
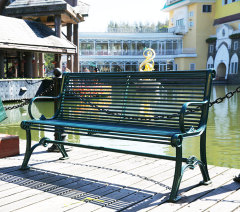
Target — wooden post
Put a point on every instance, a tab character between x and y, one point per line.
1	64
70	38
76	42
58	33
28	65
41	65
35	66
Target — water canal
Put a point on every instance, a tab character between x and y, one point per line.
223	133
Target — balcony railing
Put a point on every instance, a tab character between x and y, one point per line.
177	30
137	52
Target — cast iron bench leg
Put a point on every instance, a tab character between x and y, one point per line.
61	137
203	164
29	150
174	197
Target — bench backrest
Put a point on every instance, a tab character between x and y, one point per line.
141	98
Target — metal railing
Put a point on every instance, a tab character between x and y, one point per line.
135	52
177	29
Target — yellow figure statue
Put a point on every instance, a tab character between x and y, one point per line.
149	54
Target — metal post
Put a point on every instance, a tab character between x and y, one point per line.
70	38
76	42
1	64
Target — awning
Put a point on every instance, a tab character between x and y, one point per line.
19	34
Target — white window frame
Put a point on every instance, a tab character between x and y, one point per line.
191	23
180	22
192	66
235	45
211	48
191	14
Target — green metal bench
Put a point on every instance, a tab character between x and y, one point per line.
151	107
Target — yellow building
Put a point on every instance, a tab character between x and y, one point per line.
206	25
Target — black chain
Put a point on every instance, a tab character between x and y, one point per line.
21	104
158	117
50	88
26	101
228	96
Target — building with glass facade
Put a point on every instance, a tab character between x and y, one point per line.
115	52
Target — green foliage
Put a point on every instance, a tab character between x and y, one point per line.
49	59
211	40
137	27
235	36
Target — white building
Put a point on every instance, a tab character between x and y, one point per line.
111	52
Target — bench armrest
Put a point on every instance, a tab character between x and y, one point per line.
39	97
203	120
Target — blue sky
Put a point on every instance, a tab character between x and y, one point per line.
101	12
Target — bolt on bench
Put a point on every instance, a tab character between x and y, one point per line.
151	107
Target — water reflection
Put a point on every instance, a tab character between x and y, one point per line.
223	134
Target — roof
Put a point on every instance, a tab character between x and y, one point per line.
31	3
127	36
173	4
37	8
29	35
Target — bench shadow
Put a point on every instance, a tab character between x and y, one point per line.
210	194
102	193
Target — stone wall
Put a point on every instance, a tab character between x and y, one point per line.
12	90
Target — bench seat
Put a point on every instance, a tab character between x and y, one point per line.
83	127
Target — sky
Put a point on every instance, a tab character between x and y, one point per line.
101	12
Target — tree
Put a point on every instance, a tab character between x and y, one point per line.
137	27
49	61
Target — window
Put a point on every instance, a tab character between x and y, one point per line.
192	66
191	14
232	68
211	48
234	64
236	67
224	2
223	33
191	24
207	8
235	45
210	66
179	22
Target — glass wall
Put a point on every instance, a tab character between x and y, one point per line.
86	48
121	66
133	47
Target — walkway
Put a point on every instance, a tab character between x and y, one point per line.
103	181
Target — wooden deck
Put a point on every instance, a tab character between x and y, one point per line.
103	181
